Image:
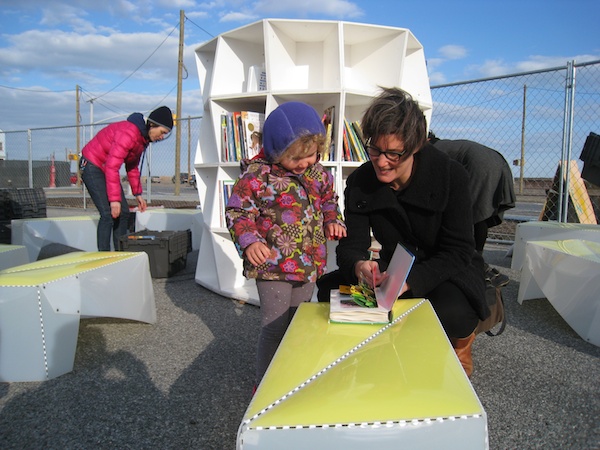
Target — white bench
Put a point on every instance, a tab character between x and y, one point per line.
12	255
42	302
76	231
567	273
549	231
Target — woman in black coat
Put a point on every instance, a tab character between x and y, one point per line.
412	193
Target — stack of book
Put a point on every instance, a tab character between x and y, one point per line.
241	135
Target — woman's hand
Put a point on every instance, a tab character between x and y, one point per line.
335	231
141	203
115	209
368	271
257	253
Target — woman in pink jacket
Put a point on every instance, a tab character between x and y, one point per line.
117	144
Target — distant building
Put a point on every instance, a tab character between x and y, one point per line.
2	145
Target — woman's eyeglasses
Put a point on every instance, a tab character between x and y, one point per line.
376	152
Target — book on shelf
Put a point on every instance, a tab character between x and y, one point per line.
225	190
360	138
356	149
257	79
237	130
253	124
361	304
224	139
241	135
328	123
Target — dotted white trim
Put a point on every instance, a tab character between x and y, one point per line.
414	423
330	366
43	333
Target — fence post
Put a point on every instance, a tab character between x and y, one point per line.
522	163
563	195
30	159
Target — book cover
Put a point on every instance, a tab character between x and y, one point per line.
344	310
253	124
224	139
328	123
238	139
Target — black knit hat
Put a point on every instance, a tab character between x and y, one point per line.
162	116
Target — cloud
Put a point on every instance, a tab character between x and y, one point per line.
334	8
55	52
500	67
453	52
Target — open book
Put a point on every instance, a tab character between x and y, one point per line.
344	310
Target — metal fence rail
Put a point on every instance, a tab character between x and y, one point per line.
538	121
34	154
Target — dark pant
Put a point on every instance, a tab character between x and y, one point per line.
95	182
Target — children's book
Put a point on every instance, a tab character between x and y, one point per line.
361	304
253	124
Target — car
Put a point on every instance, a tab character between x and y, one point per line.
155	179
183	178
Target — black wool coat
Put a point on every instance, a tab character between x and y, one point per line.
431	217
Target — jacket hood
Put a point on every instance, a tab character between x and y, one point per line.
138	120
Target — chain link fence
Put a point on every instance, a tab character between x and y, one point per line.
48	157
539	122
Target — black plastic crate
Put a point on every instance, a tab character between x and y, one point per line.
22	203
167	250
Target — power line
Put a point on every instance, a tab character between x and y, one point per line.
41	91
187	18
138	67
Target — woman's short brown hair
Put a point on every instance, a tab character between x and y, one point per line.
395	112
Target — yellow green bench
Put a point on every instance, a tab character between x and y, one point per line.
356	386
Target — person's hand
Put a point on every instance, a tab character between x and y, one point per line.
257	253
142	205
368	271
115	209
335	231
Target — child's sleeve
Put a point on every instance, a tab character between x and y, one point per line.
329	202
242	211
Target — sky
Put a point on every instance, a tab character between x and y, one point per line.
123	53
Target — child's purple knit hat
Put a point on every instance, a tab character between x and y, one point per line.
287	123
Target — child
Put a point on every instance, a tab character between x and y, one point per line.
281	212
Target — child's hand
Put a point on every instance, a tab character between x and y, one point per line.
335	231
257	253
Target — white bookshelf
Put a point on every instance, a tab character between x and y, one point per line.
322	63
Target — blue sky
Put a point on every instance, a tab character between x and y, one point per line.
124	53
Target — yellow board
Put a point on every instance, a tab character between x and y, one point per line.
579	198
326	373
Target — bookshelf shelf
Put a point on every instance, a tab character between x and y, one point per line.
327	64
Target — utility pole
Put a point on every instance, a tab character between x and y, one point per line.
179	121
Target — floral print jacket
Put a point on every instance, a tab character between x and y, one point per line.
287	212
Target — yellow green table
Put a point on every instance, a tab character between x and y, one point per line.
362	386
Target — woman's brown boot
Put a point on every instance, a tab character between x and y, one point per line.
462	347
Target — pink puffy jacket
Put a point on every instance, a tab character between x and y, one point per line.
118	143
